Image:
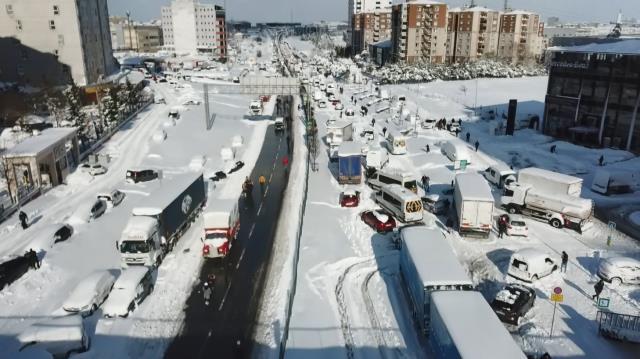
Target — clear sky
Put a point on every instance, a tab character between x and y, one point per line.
306	11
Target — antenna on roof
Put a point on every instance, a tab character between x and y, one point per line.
617	29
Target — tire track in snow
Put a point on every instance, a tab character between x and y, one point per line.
343	309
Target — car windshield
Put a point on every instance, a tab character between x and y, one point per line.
134	247
518	223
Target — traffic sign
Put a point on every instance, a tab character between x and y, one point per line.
557	290
603	303
612	225
557	297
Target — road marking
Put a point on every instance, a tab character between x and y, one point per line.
225	296
260	208
270	177
265	192
252	228
240	259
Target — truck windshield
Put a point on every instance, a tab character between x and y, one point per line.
134	247
411	185
215	235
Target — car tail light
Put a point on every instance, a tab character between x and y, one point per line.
380	227
205	249
223	249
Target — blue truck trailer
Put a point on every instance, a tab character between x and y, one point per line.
349	163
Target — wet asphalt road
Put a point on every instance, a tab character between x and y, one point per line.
213	330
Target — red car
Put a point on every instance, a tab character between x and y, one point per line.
350	199
379	220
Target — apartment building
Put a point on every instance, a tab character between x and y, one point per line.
521	36
472	33
51	42
419	31
135	36
189	27
369	28
354	9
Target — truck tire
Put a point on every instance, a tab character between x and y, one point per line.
512	210
555	223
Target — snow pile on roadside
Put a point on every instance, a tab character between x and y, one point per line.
399	73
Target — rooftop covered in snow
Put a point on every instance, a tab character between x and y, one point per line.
45	140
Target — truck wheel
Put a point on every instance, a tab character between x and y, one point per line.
512	210
555	223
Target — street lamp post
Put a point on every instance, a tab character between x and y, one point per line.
129	30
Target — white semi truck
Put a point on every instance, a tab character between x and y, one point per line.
221	227
550	182
154	229
560	210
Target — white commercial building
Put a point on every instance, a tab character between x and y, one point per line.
189	27
52	41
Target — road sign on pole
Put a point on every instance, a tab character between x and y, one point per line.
603	303
556	297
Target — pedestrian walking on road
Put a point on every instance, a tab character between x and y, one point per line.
32	256
285	162
351	98
457	131
425	183
24	220
477	144
373	122
565	260
553	149
598	287
207	293
427	148
601	161
384	131
502	226
340	114
468	136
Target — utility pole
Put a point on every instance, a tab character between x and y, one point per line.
129	29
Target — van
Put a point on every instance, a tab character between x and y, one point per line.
255	107
322	104
608	183
138	175
531	264
376	158
279	124
397	143
499	175
455	151
393	176
404	204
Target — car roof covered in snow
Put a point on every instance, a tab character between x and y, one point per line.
35	145
167	192
85	289
502	168
473	326
530	253
473	186
338	124
130	277
60	329
554	176
349	148
218	213
433	257
621	261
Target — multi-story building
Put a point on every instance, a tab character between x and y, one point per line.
189	27
419	31
472	33
51	42
370	27
357	7
593	94
134	36
521	36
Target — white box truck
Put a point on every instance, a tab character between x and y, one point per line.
474	205
221	226
550	182
559	210
376	158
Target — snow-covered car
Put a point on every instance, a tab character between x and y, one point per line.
218	176
322	104
98	209
436	204
236	167
516	226
159	136
339	106
618	270
191	101
531	264
454	126
429	123
63	233
131	288
174	113
349	112
60	336
87	296
279	124
93	169
112	198
513	302
350	198
379	220
159	100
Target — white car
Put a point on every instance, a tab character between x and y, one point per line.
112	198
349	112
159	136
429	123
516	226
94	170
191	101
131	288
618	270
531	264
90	293
339	106
60	337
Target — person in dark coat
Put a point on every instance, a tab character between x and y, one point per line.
601	161
24	220
33	259
428	148
384	131
373	122
565	260
468	136
502	226
425	183
553	149
598	287
477	144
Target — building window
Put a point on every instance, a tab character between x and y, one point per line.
19	25
9	8
56	10
60	39
52	25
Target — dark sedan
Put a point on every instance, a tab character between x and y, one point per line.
13	269
379	220
513	302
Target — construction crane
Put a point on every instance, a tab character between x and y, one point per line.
617	29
